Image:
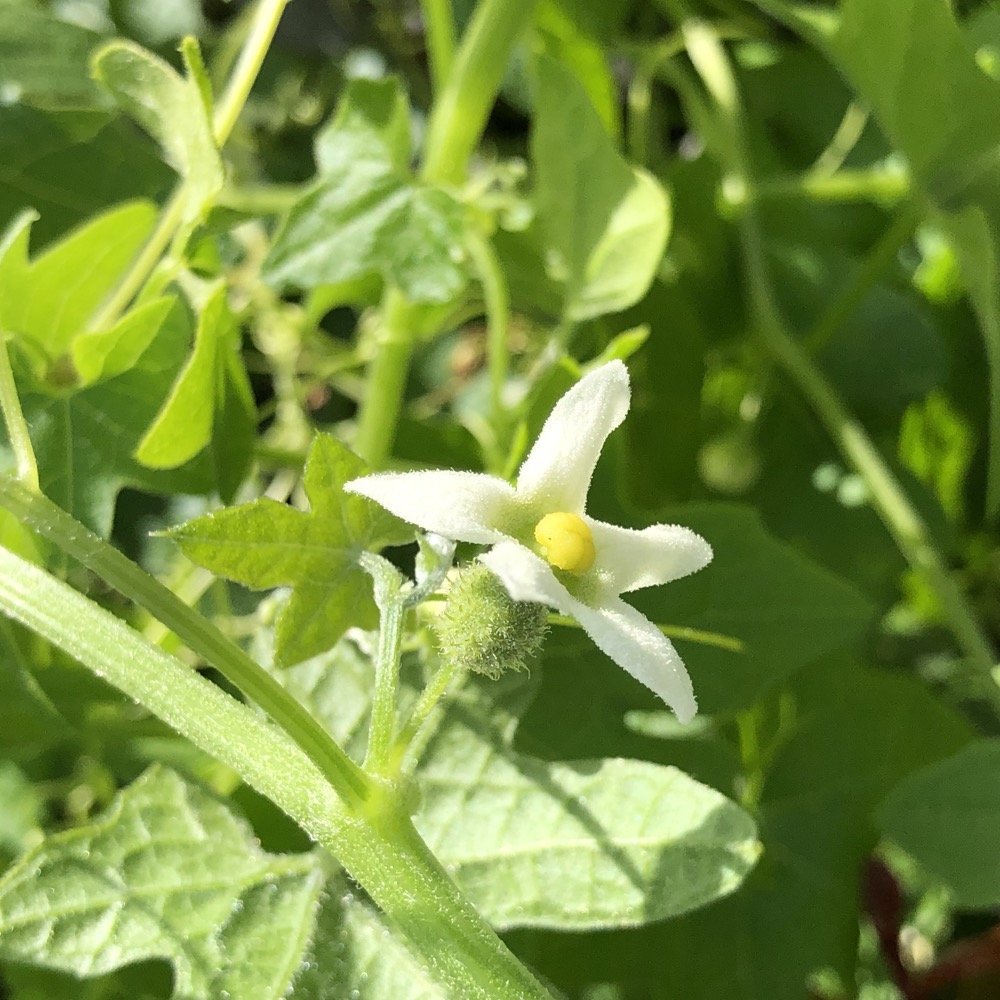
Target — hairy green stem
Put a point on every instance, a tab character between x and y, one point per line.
200	635
17	428
890	500
390	599
883	187
378	845
419	728
439	28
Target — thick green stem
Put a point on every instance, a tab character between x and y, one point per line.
386	381
889	498
17	428
378	846
456	123
388	594
439	28
53	523
461	109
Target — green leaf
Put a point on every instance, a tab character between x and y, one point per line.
267	544
579	845
365	214
102	354
787	610
912	63
947	816
71	166
853	735
605	223
172	109
183	427
51	299
167	872
44	59
84	441
353	954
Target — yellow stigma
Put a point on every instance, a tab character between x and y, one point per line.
566	541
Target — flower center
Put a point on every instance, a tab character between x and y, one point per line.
566	542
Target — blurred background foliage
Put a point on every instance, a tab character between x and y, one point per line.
873	137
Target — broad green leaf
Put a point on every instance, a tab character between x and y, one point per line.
366	214
787	610
266	544
167	872
576	845
44	59
71	166
853	735
184	424
172	109
353	954
947	816
84	441
51	300
911	62
605	223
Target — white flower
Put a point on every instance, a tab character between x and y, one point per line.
544	546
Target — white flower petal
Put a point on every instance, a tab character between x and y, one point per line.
627	636
526	576
466	506
640	648
658	554
556	474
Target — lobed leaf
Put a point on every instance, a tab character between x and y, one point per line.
366	214
266	544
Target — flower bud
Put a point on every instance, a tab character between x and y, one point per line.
483	630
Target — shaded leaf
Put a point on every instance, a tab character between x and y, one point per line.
947	816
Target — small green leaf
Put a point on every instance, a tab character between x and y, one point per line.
167	872
51	299
22	809
605	224
948	817
184	424
580	845
267	544
365	214
84	441
103	354
172	109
